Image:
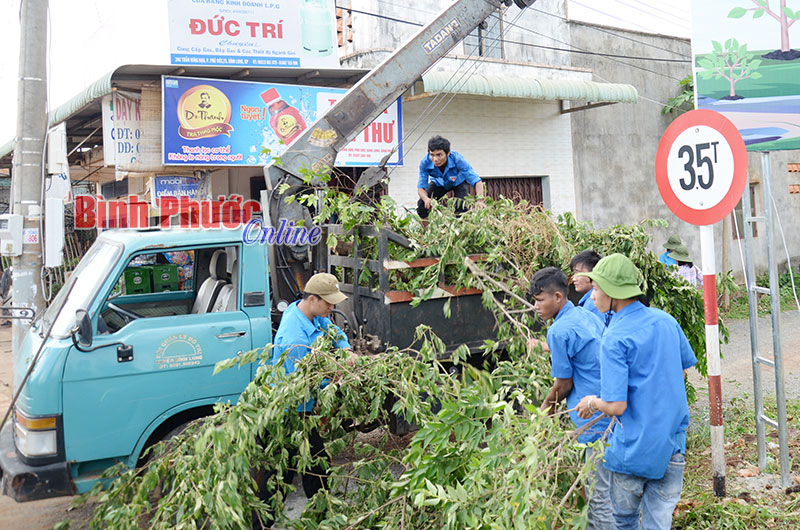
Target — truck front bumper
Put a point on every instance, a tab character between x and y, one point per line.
23	482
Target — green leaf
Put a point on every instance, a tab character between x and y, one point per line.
758	13
737	12
756	75
706	63
446	308
790	14
717	46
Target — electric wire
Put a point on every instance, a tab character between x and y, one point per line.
650	13
571	49
609	32
610	15
461	80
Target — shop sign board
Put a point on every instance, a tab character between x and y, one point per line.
122	129
210	122
253	33
174	186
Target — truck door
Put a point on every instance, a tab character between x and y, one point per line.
178	330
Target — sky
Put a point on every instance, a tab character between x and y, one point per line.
88	38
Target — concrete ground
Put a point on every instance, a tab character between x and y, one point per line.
737	378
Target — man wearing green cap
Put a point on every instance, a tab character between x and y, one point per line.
643	354
686	268
673	241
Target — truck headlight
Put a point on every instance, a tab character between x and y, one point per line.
36	436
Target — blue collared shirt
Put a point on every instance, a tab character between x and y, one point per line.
297	333
574	342
456	171
643	356
587	303
666	260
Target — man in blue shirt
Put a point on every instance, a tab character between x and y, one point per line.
301	324
574	343
441	171
643	355
585	262
672	243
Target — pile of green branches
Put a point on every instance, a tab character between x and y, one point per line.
487	459
484	456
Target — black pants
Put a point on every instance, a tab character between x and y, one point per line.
314	479
437	192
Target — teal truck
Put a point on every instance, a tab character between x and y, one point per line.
124	355
140	365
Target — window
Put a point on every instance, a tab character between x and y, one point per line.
738	218
487	39
170	283
516	188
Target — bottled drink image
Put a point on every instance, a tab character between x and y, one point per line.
316	27
284	119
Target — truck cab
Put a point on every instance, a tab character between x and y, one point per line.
157	309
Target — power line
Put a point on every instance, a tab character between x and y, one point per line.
611	58
570	50
603	30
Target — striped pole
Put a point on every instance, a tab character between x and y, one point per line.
712	358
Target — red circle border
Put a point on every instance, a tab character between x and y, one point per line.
728	130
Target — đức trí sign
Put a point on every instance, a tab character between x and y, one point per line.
210	122
257	33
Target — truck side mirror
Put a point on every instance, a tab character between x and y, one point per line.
83	326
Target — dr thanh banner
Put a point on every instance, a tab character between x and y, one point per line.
209	122
257	33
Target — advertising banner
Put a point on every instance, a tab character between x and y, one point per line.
174	187
209	122
259	33
122	128
746	66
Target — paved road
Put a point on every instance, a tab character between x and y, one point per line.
737	367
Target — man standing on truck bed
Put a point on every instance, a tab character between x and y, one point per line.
301	324
442	170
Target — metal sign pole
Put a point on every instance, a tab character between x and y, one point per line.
713	358
775	307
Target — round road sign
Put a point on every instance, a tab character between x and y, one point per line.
701	167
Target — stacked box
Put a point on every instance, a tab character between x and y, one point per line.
165	278
138	280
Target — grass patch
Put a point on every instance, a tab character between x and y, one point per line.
756	501
739	307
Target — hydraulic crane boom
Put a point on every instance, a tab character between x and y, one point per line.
316	149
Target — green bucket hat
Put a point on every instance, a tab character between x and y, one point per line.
617	276
673	242
680	253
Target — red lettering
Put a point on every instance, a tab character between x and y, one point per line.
169	207
197	26
138	213
253	26
85	215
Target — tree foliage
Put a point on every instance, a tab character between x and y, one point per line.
484	456
684	100
784	15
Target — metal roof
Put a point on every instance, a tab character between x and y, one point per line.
515	86
83	112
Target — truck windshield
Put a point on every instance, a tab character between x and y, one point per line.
87	279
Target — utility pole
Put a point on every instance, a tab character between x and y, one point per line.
28	159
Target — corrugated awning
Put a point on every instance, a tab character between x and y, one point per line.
513	86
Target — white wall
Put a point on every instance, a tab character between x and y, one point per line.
498	137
